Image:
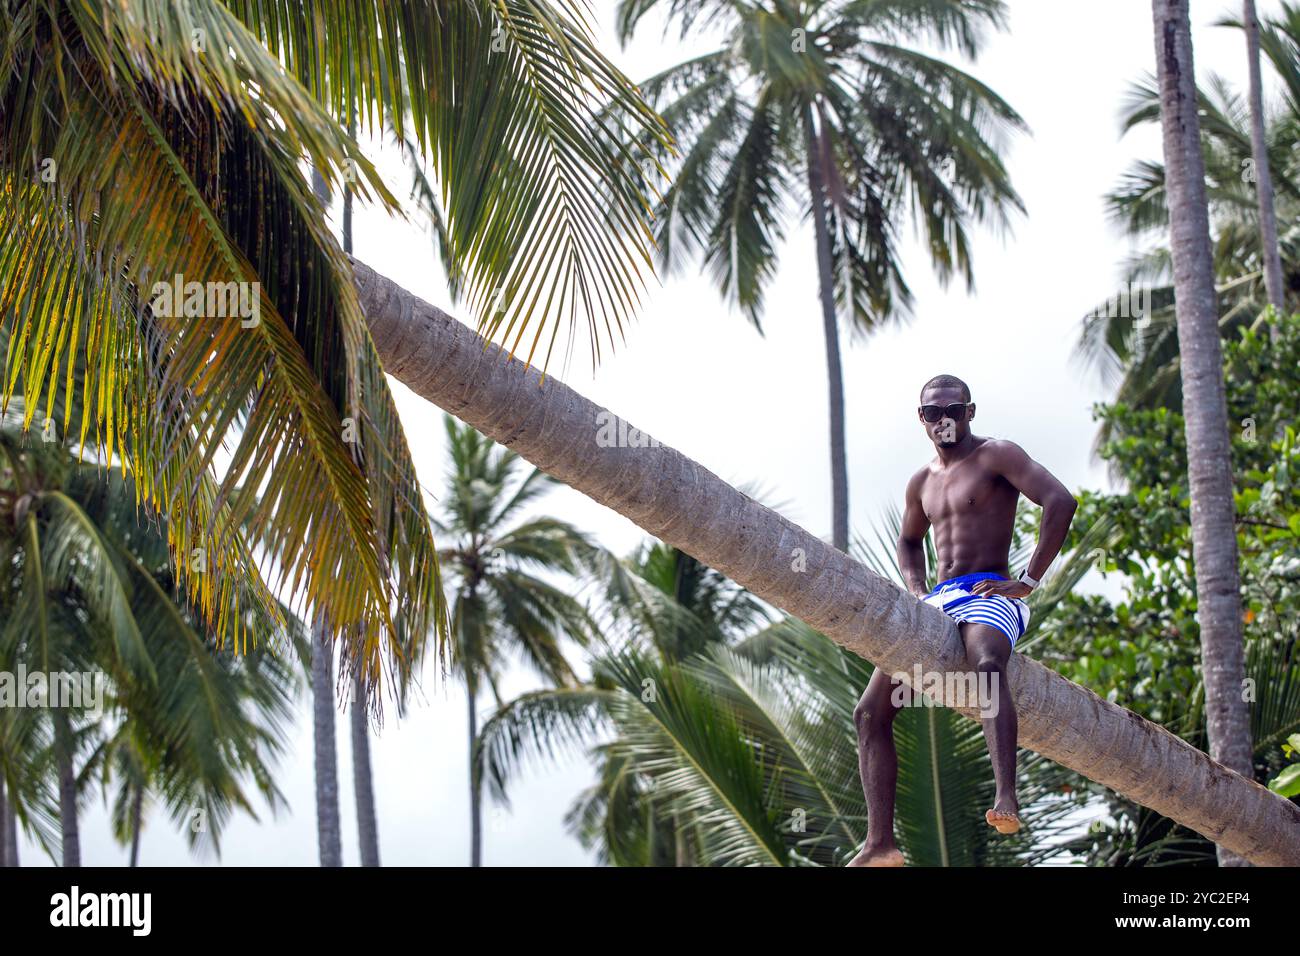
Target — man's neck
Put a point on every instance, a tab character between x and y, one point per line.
948	454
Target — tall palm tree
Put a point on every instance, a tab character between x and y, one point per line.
1135	351
144	141
1259	152
685	505
502	607
832	107
362	778
1209	473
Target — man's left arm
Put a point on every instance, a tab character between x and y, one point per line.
1042	488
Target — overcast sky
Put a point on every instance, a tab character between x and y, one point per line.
753	409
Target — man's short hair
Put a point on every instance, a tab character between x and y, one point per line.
948	381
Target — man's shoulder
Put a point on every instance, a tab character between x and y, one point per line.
919	476
1001	448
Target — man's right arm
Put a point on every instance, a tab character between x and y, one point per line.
911	538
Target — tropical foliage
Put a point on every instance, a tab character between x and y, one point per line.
89	588
831	109
1131	340
504	607
1143	648
723	738
153	140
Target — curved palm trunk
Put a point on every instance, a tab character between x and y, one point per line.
1205	410
1263	177
689	507
362	780
327	772
830	329
475	785
137	818
63	748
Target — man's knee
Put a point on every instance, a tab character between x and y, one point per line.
988	661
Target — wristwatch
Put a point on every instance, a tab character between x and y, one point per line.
1026	579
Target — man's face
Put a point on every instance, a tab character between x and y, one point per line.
949	429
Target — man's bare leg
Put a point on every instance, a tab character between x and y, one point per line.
987	652
878	765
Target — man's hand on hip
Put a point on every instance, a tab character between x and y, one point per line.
1008	589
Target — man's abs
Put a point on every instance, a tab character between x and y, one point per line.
973	516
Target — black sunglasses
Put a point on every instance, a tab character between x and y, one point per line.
933	413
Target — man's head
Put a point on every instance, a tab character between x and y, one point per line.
944	422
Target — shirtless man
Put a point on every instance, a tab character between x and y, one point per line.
969	494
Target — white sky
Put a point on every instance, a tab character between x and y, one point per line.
754	409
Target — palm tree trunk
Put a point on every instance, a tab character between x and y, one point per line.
475	785
137	819
687	506
8	829
830	329
1272	259
327	772
63	749
362	781
4	824
1205	410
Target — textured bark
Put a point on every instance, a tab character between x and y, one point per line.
1205	409
362	779
831	332
63	748
687	506
327	771
1272	258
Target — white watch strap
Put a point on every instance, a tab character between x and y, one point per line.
1026	579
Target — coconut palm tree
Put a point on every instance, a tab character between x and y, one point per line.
1135	350
149	141
502	607
1200	351
685	505
88	588
830	107
358	713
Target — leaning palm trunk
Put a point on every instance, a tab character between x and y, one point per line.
1270	255
689	507
327	773
1205	410
362	779
830	328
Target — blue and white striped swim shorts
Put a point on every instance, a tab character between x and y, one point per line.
953	597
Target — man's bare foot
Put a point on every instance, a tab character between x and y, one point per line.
885	856
1004	821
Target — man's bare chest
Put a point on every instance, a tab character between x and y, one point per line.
968	490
